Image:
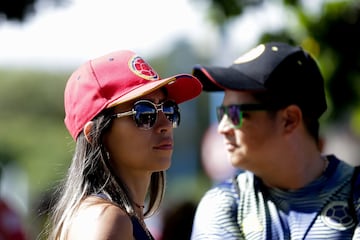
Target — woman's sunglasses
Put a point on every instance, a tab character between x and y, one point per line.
235	112
145	113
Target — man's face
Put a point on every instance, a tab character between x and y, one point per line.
249	145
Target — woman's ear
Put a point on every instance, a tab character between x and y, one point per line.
87	130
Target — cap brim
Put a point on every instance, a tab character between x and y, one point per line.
180	88
224	78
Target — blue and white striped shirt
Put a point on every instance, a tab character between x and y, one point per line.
249	210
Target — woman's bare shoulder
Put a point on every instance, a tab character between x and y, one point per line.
99	219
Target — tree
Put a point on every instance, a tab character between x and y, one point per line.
19	10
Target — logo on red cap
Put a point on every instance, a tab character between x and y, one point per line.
141	68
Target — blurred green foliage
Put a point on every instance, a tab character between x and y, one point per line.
21	10
32	133
33	136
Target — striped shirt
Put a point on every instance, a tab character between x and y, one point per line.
244	208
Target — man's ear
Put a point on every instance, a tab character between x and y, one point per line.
292	116
87	131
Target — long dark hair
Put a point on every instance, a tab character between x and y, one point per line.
90	173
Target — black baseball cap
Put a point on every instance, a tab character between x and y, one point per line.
287	72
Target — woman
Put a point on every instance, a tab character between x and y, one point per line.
121	115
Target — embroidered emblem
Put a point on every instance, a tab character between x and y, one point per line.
141	68
336	216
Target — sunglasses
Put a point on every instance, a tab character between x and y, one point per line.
145	113
235	112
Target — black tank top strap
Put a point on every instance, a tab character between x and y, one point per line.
139	232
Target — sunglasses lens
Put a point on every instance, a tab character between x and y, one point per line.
145	115
235	115
233	112
171	111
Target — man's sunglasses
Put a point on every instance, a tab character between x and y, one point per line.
235	112
145	113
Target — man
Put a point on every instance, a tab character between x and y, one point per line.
274	97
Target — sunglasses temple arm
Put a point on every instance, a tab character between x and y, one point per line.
124	114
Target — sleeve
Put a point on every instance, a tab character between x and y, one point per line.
357	219
357	228
356	198
216	216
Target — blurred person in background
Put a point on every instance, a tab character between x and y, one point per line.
121	115
177	220
213	156
269	117
11	227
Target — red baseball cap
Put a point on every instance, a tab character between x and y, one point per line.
116	78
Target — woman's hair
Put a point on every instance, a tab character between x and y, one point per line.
90	173
276	103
